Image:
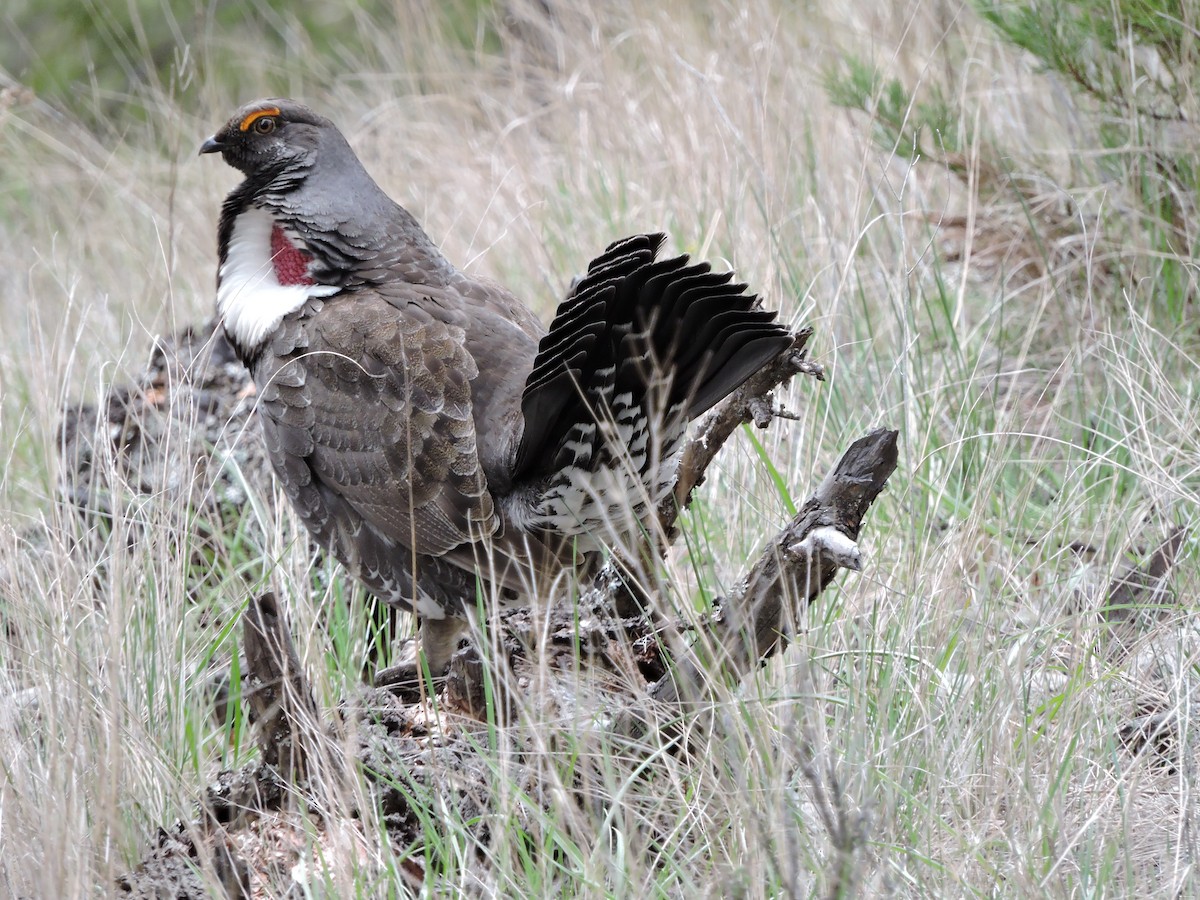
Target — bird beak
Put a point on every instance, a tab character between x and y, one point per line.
212	145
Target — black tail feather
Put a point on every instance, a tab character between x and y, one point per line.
630	324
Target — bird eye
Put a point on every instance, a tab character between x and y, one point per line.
264	124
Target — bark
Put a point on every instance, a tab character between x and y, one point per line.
756	620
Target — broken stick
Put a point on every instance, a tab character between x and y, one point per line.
802	560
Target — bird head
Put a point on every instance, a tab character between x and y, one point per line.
267	138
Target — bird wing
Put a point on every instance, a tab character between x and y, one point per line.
373	405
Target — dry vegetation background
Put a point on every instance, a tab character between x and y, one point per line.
996	262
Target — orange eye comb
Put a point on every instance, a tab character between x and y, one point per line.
256	115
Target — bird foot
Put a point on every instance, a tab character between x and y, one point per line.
423	659
407	676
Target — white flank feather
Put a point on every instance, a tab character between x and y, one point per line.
250	299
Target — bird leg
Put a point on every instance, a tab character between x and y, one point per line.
431	649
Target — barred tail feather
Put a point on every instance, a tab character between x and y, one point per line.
638	348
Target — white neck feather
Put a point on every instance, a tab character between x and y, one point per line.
250	299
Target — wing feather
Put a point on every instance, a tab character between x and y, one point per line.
375	408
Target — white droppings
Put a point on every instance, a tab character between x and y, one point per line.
831	543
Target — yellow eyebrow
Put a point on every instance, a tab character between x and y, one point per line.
256	115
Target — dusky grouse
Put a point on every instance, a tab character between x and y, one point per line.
428	429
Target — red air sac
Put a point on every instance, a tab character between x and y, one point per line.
291	263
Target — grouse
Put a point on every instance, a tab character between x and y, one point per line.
428	429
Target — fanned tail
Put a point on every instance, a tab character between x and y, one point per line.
638	348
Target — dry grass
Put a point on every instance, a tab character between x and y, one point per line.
949	704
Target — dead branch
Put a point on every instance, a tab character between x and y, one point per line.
800	563
1136	596
752	402
282	706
